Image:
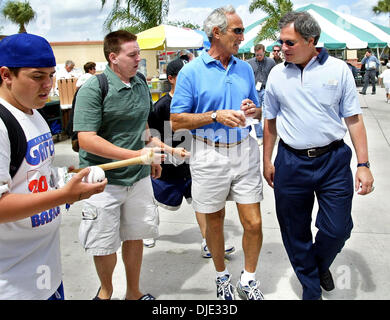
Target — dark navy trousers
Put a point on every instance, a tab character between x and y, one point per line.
298	181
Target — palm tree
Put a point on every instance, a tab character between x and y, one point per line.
275	11
136	15
20	13
383	6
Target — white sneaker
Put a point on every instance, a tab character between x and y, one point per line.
149	243
204	250
225	290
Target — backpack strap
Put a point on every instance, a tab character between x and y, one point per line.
141	75
17	139
103	84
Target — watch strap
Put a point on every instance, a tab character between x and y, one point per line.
364	164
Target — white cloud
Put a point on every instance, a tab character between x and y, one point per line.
180	11
76	20
70	20
364	8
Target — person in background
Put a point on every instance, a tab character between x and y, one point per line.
30	197
306	100
371	64
175	181
67	71
186	55
261	66
353	69
385	78
214	96
277	52
90	70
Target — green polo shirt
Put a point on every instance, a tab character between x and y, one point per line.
121	120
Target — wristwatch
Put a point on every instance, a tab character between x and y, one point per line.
214	116
364	164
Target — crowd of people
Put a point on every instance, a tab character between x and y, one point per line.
208	157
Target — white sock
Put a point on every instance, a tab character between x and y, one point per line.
246	277
224	272
203	241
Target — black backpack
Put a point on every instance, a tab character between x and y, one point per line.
103	85
17	139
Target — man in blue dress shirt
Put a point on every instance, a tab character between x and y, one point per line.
305	101
371	64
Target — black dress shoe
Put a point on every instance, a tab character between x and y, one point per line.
326	281
373	92
361	92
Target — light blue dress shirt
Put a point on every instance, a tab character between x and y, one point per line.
309	104
366	61
204	85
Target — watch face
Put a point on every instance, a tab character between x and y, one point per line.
214	116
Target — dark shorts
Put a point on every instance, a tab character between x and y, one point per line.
169	194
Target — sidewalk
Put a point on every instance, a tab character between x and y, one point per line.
174	269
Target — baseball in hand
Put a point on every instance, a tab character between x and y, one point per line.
95	175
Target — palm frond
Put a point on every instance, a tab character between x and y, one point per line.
274	11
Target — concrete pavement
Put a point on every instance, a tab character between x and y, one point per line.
174	269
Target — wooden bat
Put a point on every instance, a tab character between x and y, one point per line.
144	159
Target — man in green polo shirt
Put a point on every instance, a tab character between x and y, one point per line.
111	130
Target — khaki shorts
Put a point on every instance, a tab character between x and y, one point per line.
225	174
118	214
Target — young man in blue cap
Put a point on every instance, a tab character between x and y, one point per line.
30	216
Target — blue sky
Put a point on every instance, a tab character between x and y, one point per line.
75	20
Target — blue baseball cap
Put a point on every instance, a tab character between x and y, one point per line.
26	50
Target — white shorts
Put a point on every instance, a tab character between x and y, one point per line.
223	174
387	86
118	214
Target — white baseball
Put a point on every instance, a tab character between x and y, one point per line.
96	174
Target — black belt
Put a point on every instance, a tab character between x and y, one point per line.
314	152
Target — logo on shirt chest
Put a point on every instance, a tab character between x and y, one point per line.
39	149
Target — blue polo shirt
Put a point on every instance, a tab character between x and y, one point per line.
204	85
309	104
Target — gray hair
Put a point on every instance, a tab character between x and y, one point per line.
69	63
217	18
304	24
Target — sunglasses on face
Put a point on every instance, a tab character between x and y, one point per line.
238	30
289	43
276	50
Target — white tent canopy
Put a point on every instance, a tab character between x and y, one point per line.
338	31
166	37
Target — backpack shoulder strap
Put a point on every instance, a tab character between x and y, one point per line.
103	84
17	139
141	75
